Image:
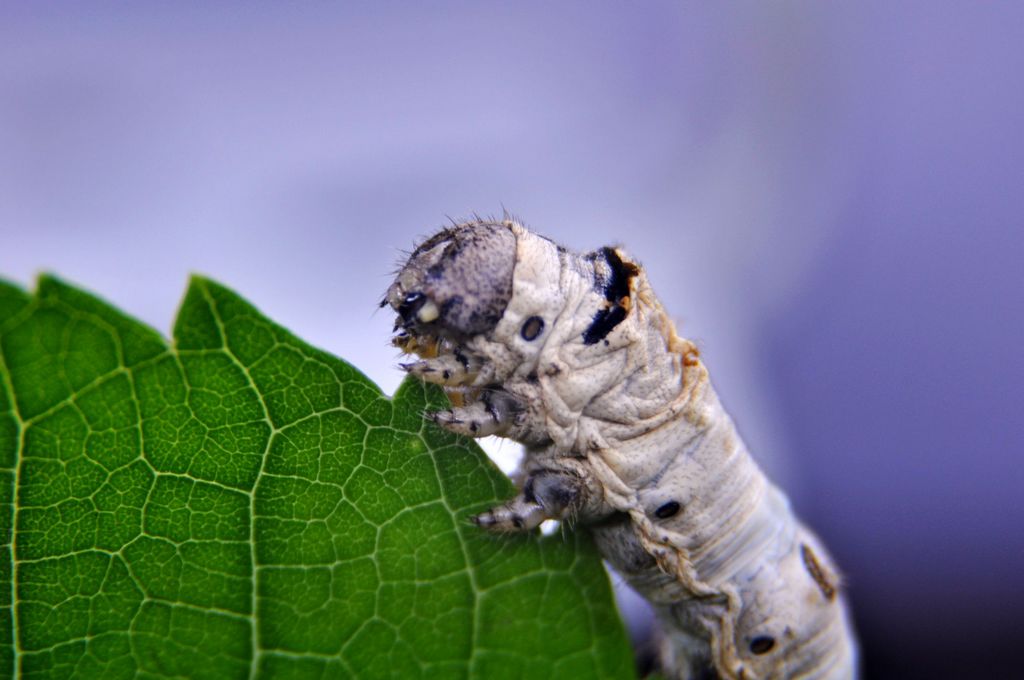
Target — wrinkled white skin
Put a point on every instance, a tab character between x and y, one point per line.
624	426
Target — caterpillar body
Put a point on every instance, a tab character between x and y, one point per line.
574	356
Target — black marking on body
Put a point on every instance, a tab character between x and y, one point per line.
450	304
443	235
547	488
615	288
528	494
604	321
455	307
451	251
707	672
618	286
489	407
561	496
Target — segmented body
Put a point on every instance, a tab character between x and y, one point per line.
573	356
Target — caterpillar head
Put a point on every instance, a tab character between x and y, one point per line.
455	284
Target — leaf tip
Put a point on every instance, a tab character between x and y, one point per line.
48	281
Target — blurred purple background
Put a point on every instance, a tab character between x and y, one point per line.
829	198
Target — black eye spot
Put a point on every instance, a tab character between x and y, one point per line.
532	328
762	644
667	510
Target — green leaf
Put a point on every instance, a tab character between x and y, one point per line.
244	505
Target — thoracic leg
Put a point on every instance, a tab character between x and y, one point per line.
493	413
547	494
453	368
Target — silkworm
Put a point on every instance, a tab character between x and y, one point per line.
573	356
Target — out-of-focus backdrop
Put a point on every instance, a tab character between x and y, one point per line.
829	197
